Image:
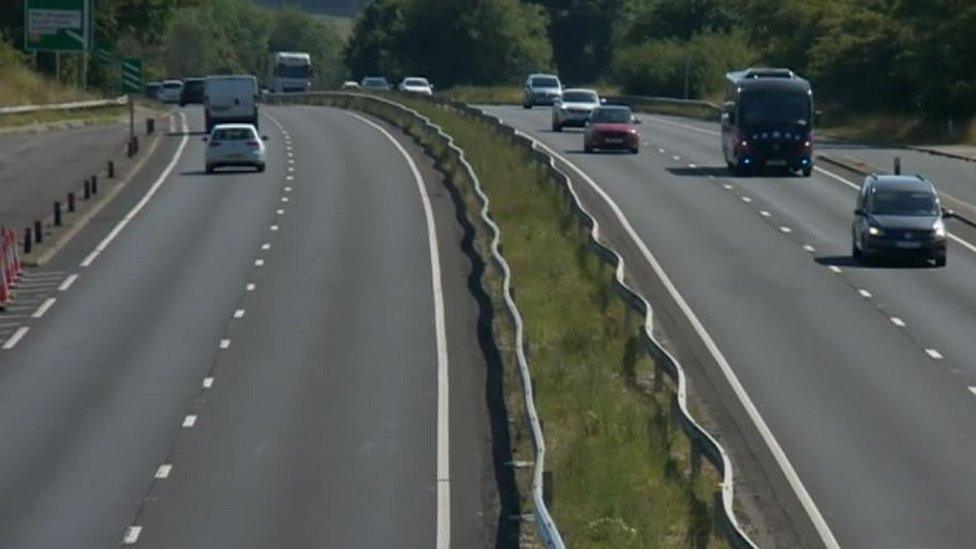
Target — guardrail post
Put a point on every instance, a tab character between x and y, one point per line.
57	213
71	202
719	522
111	169
696	456
87	189
150	125
28	240
658	376
38	232
897	165
94	184
547	489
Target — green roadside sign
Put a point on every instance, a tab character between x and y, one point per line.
57	25
131	75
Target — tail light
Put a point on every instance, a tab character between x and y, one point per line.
742	143
253	144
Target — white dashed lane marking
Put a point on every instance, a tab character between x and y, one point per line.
44	307
727	186
131	535
259	263
163	470
972	389
250	287
764	213
835	269
746	199
225	343
274	227
239	313
898	322
189	421
67	283
280	212
208	382
14	339
266	246
785	229
864	293
934	354
809	248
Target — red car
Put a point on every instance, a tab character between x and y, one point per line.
612	127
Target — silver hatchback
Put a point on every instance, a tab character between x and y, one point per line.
235	145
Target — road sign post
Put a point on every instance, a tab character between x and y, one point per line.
131	83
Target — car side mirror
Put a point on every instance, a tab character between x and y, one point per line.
948	214
637	120
264	138
603	100
204	139
859	212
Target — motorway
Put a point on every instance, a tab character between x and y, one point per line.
255	360
864	376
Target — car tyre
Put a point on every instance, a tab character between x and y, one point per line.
209	169
526	105
260	168
856	252
557	127
807	171
587	149
635	150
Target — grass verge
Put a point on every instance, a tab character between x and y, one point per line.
902	129
620	466
505	95
97	115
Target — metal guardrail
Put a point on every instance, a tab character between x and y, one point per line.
702	442
452	160
95	103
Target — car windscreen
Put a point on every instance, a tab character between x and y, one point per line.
233	134
580	97
292	71
612	116
545	82
901	202
774	107
172	85
194	86
415	82
376	82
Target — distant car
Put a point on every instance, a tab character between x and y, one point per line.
171	91
152	90
574	108
235	145
541	89
376	83
192	92
899	215
612	127
415	84
350	85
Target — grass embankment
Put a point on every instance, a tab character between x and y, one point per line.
99	115
621	467
503	95
902	129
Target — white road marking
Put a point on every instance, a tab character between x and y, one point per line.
934	354
274	227
290	154
289	178
291	161
835	269
693	166
67	283
284	199
15	338
44	307
266	246
225	343
746	199
785	229
280	212
676	158
809	248
189	421
239	313
660	150
131	535
259	263
287	189
250	287
972	389
208	382
163	470
443	385
864	293
727	186
898	322
291	168
819	523
144	200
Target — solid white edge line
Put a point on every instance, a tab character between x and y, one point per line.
15	338
144	200
44	307
67	283
819	523
443	410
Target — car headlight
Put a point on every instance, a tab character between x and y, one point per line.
875	231
939	228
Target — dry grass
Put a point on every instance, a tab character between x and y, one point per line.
898	129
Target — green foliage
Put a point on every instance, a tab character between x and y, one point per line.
659	68
461	42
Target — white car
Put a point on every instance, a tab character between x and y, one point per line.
235	145
415	84
350	85
574	108
375	83
541	89
171	91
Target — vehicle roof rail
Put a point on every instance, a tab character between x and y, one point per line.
768	72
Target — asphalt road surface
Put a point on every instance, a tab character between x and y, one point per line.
253	360
865	376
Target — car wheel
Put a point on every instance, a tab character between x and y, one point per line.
260	168
587	149
855	251
209	169
526	106
738	170
807	171
556	127
635	150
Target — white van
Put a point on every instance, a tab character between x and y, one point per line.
230	99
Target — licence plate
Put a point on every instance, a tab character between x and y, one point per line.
614	140
775	162
908	245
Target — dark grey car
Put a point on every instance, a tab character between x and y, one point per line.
899	216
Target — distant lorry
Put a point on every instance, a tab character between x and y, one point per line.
230	99
290	72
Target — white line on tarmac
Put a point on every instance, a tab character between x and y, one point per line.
239	313
274	227
208	382
765	213
809	248
189	421
163	470
785	229
142	202
250	287
864	293
44	307
131	535
67	283
972	389
898	322
934	354
225	343
835	269
259	263
14	339
443	539
746	199
280	212
266	246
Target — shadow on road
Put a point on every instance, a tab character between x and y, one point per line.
850	262
222	172
701	171
189	133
